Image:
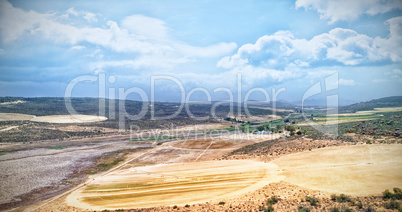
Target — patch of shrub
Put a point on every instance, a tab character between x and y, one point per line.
221	203
187	206
369	209
340	198
313	201
392	204
273	200
302	208
346	209
389	195
334	210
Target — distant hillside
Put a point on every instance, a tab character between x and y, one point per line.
41	106
392	101
281	104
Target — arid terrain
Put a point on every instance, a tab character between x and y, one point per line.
233	164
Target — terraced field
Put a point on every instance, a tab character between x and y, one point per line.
357	170
183	183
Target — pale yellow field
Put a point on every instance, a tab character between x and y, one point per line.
358	170
69	119
174	184
15	117
370	112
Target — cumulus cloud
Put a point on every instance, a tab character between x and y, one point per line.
343	46
90	17
338	10
145	27
146	37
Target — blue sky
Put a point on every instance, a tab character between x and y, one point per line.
44	45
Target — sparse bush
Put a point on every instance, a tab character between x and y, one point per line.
340	198
334	210
392	204
187	206
175	207
369	209
221	203
302	208
389	195
346	209
359	205
313	201
273	200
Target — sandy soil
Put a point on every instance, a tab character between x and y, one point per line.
15	117
358	170
370	112
69	119
174	184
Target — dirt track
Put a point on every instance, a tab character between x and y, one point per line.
362	170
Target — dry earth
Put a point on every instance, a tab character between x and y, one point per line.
358	170
24	172
68	119
15	117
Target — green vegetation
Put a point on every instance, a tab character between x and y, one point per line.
389	195
270	202
221	203
273	200
393	101
340	198
57	147
392	204
369	209
343	209
107	161
302	208
313	201
334	209
2	153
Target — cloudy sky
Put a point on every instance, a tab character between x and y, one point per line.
211	45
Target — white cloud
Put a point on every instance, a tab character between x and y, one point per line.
77	48
145	36
145	27
72	11
395	74
337	10
345	46
90	17
346	82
